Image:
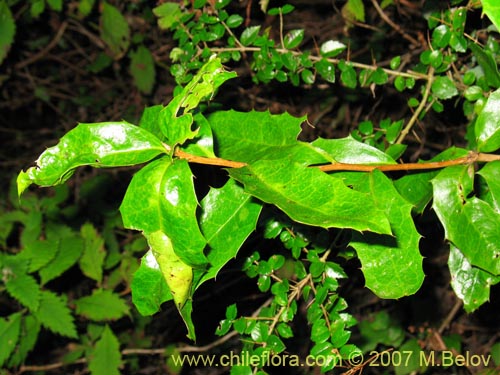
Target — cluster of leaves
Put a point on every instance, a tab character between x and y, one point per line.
305	275
49	249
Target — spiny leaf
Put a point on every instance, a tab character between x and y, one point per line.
384	257
54	314
229	215
101	305
107	144
297	190
106	357
253	136
176	118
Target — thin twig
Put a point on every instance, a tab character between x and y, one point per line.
451	315
394	25
421	106
46	50
471	157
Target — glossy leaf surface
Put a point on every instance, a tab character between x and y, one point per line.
228	217
348	150
383	258
177	274
310	196
491	173
471	284
176	118
106	144
492	9
149	287
487	126
470	224
161	197
254	136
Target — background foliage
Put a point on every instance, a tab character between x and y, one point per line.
68	264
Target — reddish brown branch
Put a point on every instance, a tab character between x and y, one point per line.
472	157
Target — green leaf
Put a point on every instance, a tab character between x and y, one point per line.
55	315
348	150
23	288
177	274
487	63
249	35
101	305
293	38
331	48
167	13
114	29
444	88
228	217
470	224
416	188
161	197
55	5
149	120
149	287
70	249
487	127
40	253
106	357
471	284
28	337
392	266
326	70
354	10
92	260
253	136
348	75
142	68
175	119
106	144
234	20
491	173
203	143
492	9
297	190
7	30
9	335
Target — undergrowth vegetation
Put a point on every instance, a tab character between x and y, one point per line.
306	215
